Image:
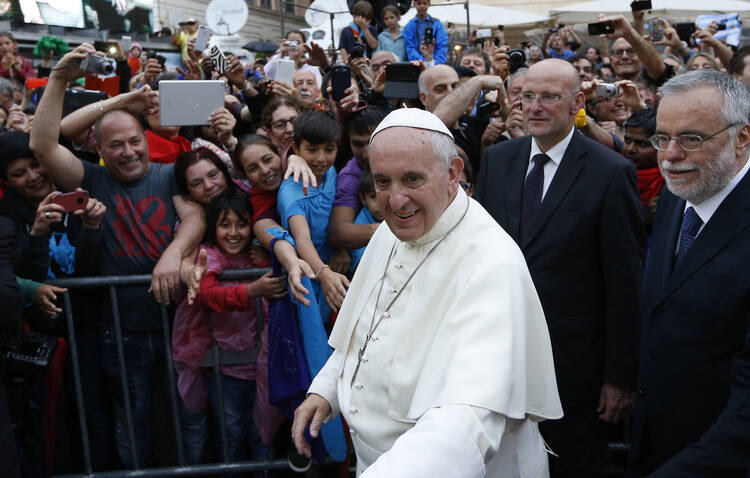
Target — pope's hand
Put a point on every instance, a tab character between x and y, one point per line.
312	411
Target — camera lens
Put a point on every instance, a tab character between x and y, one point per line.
79	200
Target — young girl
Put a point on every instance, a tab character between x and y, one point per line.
226	308
392	38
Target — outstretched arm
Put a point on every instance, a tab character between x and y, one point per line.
63	167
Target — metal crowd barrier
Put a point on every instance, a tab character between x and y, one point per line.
112	282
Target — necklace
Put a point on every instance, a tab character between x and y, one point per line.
374	325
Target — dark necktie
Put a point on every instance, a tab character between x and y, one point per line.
691	222
532	194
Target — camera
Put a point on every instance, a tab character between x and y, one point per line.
607	90
358	50
293	45
486	109
517	59
160	58
27	354
98	65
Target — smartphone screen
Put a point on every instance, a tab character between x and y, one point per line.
285	71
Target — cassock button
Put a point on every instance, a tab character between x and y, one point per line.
394	291
386	315
375	338
359	386
354	433
364	359
353	410
398	265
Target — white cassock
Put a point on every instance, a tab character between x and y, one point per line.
456	377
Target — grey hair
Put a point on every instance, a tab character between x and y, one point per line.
6	87
421	82
736	107
443	148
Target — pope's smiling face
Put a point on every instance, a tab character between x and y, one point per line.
413	187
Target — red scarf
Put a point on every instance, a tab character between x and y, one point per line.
650	182
262	200
161	150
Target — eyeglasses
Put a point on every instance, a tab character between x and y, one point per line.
281	124
544	98
619	52
688	142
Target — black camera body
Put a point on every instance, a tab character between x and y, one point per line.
358	50
517	59
27	354
160	58
98	65
485	110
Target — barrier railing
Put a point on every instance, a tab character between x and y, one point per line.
112	282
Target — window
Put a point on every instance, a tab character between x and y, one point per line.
264	3
289	6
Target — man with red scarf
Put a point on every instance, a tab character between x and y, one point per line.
637	148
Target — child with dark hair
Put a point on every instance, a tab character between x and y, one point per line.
359	31
224	313
371	212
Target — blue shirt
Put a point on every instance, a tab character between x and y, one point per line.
414	32
347	39
397	46
566	54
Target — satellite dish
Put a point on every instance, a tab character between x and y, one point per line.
225	17
319	11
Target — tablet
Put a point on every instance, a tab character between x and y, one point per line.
189	102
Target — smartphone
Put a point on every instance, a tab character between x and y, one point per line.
601	28
722	26
74	201
111	48
125	42
657	30
218	59
685	30
341	79
285	71
484	33
202	37
427	39
640	5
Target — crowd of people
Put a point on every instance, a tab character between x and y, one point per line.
634	242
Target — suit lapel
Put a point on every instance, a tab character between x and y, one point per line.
731	218
661	259
566	174
514	192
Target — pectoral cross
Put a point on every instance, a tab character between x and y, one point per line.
360	355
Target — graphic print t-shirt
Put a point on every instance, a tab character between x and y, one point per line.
138	227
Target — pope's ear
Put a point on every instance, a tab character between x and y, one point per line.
455	168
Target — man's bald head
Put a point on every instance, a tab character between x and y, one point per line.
550	100
435	84
563	72
381	59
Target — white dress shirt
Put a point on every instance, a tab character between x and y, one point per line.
555	153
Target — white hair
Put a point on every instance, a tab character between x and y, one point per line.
443	148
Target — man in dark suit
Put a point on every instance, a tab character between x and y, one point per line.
572	206
692	414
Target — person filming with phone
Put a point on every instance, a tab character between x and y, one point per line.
425	36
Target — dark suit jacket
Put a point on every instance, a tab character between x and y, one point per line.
693	402
585	254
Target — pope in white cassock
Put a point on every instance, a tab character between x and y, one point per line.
442	363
